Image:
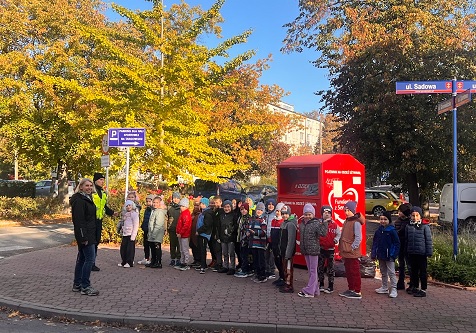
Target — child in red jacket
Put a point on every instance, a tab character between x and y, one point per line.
184	228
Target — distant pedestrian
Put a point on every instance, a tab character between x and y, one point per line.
326	254
145	229
184	228
83	213
385	248
130	228
102	209
401	223
287	246
156	232
310	230
349	249
419	247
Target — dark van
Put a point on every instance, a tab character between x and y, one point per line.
228	190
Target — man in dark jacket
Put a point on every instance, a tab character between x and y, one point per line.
83	213
100	200
204	231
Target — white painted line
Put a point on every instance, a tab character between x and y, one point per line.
14	248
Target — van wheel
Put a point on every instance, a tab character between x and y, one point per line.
378	210
470	224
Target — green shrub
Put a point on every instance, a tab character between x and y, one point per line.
18	208
17	188
443	267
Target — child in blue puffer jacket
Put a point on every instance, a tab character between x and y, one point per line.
385	248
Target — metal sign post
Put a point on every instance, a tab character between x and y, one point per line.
464	88
126	137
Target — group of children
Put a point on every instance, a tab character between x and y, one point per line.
409	240
263	238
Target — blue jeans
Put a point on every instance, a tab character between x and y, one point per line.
84	264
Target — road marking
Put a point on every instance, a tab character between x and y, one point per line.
14	248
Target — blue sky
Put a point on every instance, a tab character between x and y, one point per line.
292	72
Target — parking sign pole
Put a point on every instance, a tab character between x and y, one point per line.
455	172
128	149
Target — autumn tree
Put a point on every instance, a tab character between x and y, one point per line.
369	45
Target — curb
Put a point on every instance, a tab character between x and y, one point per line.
184	322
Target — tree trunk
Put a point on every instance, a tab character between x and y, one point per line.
413	192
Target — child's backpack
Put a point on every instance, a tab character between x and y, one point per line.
200	221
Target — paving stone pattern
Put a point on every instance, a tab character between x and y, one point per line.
42	281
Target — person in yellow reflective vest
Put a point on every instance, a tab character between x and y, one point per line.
100	200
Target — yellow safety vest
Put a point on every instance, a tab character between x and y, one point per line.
100	204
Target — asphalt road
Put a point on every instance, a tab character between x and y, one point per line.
17	239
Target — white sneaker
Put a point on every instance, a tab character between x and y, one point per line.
120	265
143	262
381	290
393	293
126	266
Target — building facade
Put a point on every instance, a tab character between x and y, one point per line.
308	134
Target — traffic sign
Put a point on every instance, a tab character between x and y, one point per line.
463	98
433	87
445	106
126	137
105	144
105	161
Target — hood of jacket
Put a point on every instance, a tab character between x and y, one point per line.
78	196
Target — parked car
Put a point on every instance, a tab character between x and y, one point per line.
261	193
466	205
229	189
43	188
379	201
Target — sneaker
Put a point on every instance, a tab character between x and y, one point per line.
275	282
178	267
126	266
197	268
216	267
76	288
184	267
271	276
172	262
120	265
345	293
303	294
249	274
381	290
420	293
286	289
240	275
353	294
157	265
393	293
231	271
223	270
329	290
411	290
280	283
95	268
177	262
143	262
202	271
89	291
261	280
321	288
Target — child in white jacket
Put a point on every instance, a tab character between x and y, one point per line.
130	227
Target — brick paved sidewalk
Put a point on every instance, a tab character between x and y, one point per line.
41	281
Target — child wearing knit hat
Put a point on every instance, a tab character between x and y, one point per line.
310	230
401	223
257	236
349	249
419	247
326	254
130	228
183	230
